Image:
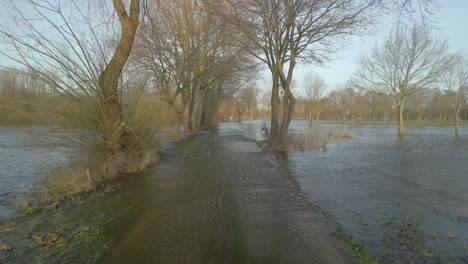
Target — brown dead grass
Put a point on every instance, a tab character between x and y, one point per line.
67	182
96	168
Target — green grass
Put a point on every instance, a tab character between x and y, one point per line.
358	250
261	144
26	208
427	254
87	233
50	240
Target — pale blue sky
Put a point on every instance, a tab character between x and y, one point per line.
451	21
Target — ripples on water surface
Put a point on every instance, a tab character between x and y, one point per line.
25	156
372	186
379	185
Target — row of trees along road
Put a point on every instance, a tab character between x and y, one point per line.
192	53
108	56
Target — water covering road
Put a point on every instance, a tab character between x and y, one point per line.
225	201
215	198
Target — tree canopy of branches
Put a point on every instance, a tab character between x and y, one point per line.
283	33
408	61
287	32
189	52
245	100
314	88
79	49
455	81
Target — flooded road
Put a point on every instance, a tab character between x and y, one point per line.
215	198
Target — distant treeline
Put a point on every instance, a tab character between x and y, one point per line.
26	100
346	104
353	104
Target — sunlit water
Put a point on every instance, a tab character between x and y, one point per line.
25	156
371	185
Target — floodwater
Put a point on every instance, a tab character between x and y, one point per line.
216	198
25	156
404	198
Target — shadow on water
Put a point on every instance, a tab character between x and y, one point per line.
215	198
403	198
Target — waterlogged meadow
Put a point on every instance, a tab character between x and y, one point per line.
385	198
26	155
400	198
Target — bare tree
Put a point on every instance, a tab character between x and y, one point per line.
314	88
287	32
83	58
455	80
195	60
245	100
110	112
409	60
284	33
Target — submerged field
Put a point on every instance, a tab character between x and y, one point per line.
404	198
396	198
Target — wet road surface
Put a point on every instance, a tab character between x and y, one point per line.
219	199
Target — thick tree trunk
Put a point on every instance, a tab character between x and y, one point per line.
310	115
239	117
288	105
317	117
180	123
274	136
210	108
401	124
457	124
196	109
111	126
197	114
186	120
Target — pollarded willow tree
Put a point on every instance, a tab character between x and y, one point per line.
409	60
79	49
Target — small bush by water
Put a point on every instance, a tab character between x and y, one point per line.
89	175
97	165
